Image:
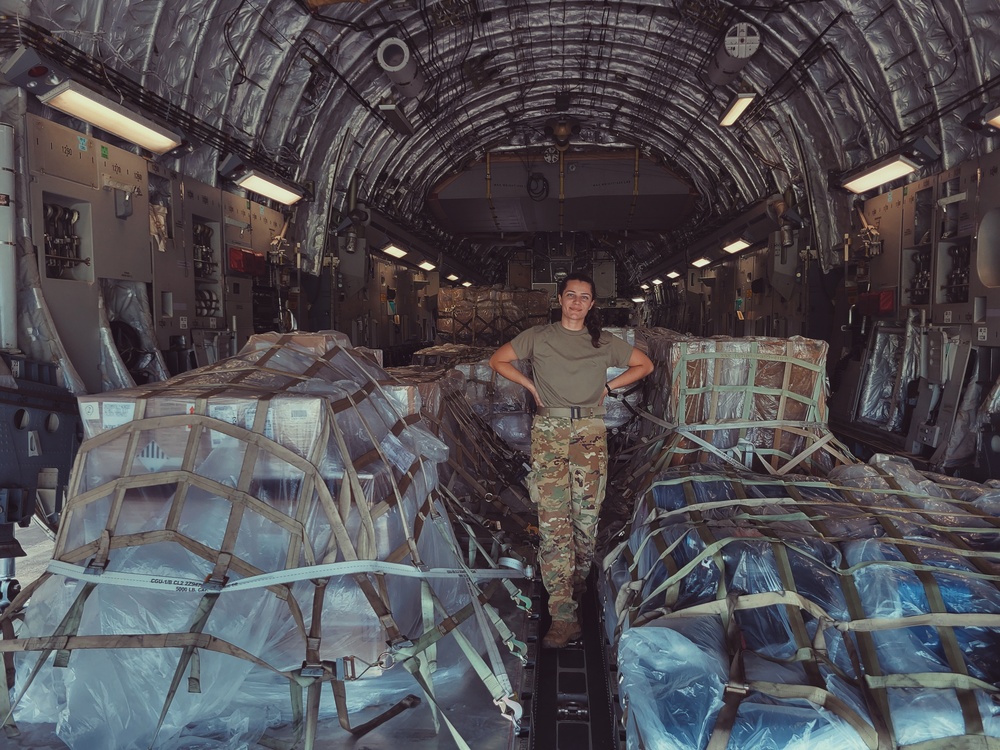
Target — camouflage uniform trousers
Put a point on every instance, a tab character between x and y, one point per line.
569	461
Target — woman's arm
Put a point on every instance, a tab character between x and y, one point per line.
501	364
639	366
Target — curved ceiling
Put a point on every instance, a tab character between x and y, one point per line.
839	82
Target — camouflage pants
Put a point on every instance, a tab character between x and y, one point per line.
569	461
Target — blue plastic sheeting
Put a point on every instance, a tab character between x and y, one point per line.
698	539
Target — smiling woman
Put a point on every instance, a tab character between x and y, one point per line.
569	455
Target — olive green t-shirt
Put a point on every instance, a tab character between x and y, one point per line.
567	369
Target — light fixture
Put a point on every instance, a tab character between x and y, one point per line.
84	104
673	275
736	107
394	250
426	265
736	245
396	118
466	283
879	173
701	262
657	282
269	187
451	277
638	299
992	118
644	287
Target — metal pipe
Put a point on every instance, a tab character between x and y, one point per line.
8	249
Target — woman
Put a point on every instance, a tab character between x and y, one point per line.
569	453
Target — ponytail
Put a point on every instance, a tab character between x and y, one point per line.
593	323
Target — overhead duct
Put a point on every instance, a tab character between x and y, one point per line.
741	42
395	59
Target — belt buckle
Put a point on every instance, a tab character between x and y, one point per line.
575	412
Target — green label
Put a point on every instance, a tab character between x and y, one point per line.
104	152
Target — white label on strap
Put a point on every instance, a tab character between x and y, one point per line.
177	583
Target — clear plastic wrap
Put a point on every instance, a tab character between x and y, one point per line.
741	401
127	303
244	449
673	677
504	404
892	363
740	536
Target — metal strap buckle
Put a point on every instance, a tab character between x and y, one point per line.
575	412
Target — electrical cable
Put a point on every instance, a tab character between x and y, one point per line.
538	187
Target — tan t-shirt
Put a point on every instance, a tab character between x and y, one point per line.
568	370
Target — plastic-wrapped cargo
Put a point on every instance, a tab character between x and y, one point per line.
675	674
758	403
449	355
620	412
755	611
481	468
893	361
239	529
487	317
505	405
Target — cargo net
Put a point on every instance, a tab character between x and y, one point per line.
741	403
239	536
860	611
478	316
482	479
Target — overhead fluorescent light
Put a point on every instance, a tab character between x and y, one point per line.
644	286
82	103
466	283
736	107
879	173
394	250
451	277
638	299
269	187
427	265
700	262
736	245
657	282
673	275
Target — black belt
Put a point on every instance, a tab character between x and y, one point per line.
572	412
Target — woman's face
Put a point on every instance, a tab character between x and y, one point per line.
576	300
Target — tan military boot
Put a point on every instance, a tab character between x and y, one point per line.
561	633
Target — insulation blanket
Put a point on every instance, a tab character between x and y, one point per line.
287	456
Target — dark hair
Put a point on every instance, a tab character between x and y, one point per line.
593	319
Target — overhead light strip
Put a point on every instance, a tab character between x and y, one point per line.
880	173
736	107
82	103
269	187
736	245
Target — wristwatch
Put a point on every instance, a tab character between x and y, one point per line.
607	387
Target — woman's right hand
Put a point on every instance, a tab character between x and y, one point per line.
534	394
